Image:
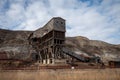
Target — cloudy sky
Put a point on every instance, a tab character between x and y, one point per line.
95	19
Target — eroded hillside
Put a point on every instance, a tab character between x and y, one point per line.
93	47
16	44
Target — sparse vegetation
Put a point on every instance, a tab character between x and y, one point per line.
65	74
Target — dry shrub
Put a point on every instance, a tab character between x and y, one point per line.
64	74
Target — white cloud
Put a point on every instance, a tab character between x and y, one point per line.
95	20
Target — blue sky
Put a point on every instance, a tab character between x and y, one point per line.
95	19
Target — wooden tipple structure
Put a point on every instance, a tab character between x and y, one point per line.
49	40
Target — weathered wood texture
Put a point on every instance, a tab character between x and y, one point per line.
49	40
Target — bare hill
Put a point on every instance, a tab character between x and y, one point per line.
15	43
17	46
93	47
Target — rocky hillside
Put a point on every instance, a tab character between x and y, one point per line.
15	43
93	47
